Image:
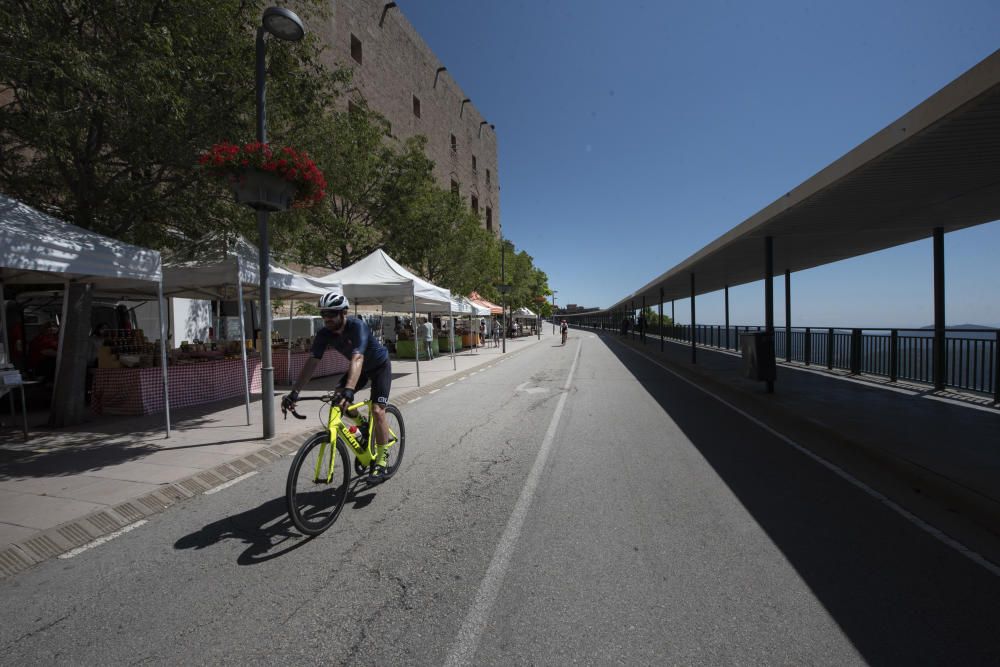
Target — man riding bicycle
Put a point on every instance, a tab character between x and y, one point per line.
369	360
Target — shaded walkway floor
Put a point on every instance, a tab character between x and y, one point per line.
942	445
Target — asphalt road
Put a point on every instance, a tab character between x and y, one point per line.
570	505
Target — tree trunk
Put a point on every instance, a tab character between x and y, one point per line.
68	406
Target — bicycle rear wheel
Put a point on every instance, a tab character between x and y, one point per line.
315	499
394	455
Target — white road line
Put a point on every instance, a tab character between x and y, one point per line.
843	474
434	391
462	378
228	484
101	540
414	400
449	384
464	649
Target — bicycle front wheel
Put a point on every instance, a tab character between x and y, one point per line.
318	484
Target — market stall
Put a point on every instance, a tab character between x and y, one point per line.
36	248
229	270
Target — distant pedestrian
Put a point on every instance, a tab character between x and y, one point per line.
624	326
428	335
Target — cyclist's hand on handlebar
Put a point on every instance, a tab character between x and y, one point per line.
288	403
345	396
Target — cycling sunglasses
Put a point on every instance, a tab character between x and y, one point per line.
330	313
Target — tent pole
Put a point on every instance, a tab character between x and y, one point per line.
62	336
3	323
416	343
163	353
454	364
288	367
243	338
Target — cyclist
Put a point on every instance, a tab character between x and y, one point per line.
564	328
351	337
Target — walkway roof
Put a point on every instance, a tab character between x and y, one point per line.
936	166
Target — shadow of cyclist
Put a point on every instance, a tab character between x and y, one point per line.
266	530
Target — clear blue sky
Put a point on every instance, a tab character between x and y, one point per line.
632	134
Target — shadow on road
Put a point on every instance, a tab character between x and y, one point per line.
900	595
266	529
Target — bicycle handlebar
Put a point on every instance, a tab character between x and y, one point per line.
332	397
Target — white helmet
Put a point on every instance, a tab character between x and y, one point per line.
333	301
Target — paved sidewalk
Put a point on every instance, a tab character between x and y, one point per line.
64	488
940	444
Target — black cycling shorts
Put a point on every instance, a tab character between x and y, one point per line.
381	378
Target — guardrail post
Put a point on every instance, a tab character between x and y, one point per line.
829	349
807	347
996	369
893	355
855	351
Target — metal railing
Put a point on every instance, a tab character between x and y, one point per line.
972	356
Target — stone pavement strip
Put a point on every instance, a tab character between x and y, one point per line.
65	489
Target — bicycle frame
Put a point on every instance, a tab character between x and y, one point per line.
364	452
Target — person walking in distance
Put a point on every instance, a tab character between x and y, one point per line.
427	329
369	360
564	329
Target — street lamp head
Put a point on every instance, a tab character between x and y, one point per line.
283	24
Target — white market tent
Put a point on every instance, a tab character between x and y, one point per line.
231	272
379	280
37	248
523	313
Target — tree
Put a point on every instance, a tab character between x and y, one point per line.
105	105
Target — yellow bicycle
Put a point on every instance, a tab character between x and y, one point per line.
317	490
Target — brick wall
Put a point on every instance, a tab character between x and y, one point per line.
397	65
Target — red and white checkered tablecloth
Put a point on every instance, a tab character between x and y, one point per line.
332	363
139	391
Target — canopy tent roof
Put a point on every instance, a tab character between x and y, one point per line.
524	313
379	279
213	273
480	301
38	248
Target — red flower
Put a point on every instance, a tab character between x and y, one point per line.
230	162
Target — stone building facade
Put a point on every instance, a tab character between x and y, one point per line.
399	76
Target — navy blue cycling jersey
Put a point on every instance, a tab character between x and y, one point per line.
356	338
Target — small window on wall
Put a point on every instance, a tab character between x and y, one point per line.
475	203
454	144
454	187
356	49
487	178
473	163
489	219
416	106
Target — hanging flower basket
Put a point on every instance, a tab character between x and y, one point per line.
266	178
263	190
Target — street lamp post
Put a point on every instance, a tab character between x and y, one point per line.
285	25
554	292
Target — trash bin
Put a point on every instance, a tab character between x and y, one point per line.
758	356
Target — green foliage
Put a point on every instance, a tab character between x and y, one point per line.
110	103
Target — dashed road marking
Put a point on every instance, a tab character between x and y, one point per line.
101	540
228	484
414	400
